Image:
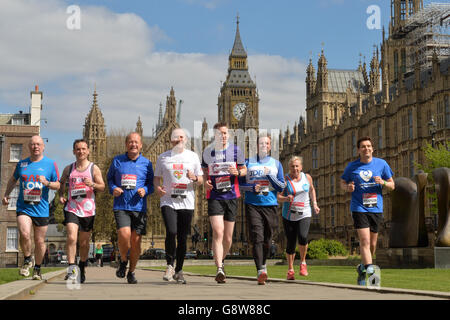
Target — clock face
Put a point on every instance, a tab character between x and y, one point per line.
239	110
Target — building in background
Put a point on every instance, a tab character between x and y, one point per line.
15	132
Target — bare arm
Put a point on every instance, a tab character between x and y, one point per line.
9	188
99	184
312	194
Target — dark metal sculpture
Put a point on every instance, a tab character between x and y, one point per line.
442	179
405	218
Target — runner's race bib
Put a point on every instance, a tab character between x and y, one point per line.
265	186
223	184
129	181
78	191
32	196
179	190
369	200
220	168
298	208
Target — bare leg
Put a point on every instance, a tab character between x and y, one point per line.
135	251
71	242
303	250
124	235
25	224
217	224
39	243
227	237
364	245
84	245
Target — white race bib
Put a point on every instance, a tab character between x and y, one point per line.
129	181
220	168
223	184
179	189
78	190
32	195
369	200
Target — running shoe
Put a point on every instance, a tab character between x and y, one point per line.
220	276
131	278
372	278
178	277
37	274
290	275
121	270
168	275
71	273
361	280
262	277
303	269
24	271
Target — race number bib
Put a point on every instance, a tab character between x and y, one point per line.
265	186
223	184
129	181
32	195
369	200
78	191
220	169
298	208
179	189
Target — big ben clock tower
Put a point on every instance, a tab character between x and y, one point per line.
238	99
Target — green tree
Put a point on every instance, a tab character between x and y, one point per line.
435	157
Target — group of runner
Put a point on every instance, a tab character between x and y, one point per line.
224	172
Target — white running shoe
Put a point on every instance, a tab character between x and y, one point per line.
170	272
220	276
24	270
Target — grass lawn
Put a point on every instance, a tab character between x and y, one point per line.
12	274
420	279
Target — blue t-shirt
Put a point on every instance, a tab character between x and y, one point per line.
270	184
33	195
130	176
225	185
367	196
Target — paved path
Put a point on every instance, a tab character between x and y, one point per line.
102	284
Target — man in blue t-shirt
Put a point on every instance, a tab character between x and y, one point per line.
365	178
130	181
263	180
36	175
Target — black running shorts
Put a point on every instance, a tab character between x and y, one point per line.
134	219
84	224
370	220
225	208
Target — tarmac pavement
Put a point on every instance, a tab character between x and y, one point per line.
102	284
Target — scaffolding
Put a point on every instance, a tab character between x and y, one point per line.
426	33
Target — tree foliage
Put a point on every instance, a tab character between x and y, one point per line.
435	157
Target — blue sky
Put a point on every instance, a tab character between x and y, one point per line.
135	51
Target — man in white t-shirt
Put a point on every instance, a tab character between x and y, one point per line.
180	170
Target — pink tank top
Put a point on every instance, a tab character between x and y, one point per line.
81	198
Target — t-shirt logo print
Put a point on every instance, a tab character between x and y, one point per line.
366	175
178	171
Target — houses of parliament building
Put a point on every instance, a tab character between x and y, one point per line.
398	100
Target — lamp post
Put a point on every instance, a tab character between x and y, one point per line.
432	130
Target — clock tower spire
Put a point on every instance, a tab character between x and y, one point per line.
238	94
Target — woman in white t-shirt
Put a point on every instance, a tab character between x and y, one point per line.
179	169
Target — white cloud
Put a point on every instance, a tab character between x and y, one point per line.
116	51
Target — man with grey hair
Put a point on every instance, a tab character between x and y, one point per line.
36	174
180	171
130	181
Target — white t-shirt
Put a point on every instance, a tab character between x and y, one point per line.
173	167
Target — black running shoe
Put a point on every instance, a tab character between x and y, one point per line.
121	270
131	278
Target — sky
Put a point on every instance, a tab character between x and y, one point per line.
133	52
